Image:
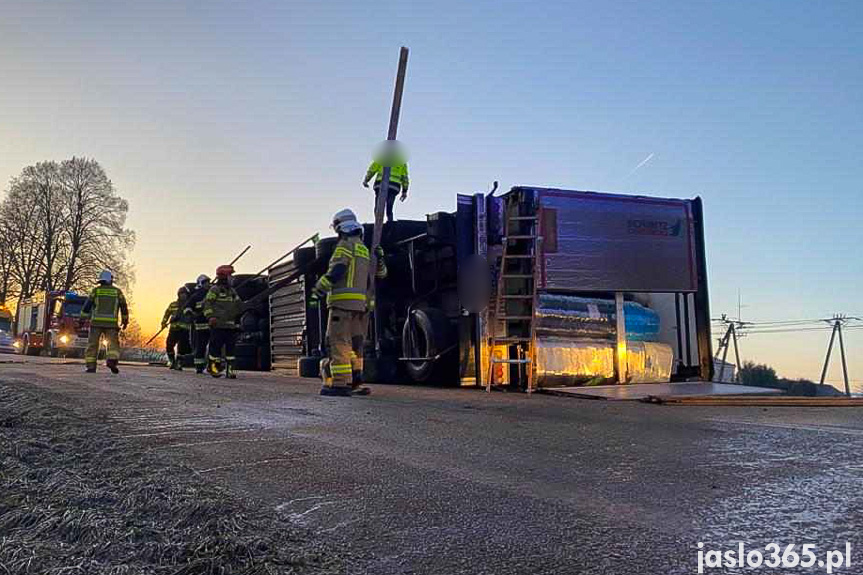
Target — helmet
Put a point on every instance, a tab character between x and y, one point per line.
106	277
183	291
345	221
223	272
202	279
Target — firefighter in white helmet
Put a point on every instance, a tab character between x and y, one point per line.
346	286
105	308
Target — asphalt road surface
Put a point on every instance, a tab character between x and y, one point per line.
457	481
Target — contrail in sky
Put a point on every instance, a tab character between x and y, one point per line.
642	163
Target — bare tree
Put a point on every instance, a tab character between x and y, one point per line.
95	234
60	225
20	228
42	182
5	265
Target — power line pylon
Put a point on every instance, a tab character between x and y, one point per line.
724	341
838	321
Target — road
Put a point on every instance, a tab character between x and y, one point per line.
456	481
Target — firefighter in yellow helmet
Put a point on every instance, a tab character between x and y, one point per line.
345	285
105	308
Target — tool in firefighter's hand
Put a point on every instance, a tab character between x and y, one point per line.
242	253
312	239
149	341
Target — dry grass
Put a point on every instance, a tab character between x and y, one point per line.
76	500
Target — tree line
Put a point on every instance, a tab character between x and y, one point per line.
61	223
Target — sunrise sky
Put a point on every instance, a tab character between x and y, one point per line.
234	123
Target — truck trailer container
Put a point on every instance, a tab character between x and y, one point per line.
535	288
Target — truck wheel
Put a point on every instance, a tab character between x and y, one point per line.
325	247
309	366
305	256
53	351
30	349
425	336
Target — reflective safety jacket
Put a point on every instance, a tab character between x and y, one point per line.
346	280
223	303
174	315
398	174
195	308
105	306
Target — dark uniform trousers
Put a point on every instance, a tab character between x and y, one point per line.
201	338
394	191
222	344
178	338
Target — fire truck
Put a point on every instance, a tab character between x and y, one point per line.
51	323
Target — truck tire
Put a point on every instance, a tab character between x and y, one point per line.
309	366
53	350
325	248
426	336
305	256
31	350
250	285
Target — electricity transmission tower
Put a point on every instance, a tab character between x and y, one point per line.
838	321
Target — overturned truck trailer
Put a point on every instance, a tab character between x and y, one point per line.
535	288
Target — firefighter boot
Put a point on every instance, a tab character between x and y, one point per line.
91	368
336	391
229	370
214	368
112	365
176	365
171	360
357	387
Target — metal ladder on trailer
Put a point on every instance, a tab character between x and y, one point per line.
516	300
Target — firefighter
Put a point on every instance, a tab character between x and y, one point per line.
104	308
222	308
200	329
178	333
346	284
399	181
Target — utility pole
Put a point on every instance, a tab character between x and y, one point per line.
724	341
838	321
381	200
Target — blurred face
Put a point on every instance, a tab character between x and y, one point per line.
391	153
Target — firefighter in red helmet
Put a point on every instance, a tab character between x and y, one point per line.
222	308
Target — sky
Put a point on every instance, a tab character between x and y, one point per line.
234	123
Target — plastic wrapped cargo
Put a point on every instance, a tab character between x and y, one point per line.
565	362
594	318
